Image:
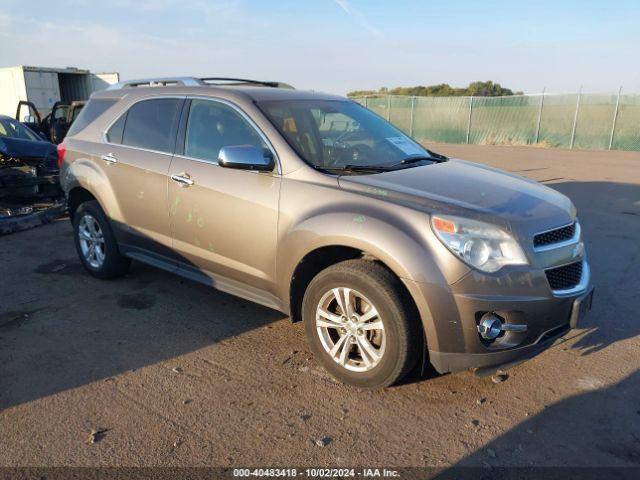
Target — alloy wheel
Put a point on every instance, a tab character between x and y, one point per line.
350	329
91	241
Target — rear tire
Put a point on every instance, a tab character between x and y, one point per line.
96	244
366	304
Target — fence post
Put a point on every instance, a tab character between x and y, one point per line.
469	122
575	120
388	108
413	109
366	101
539	116
615	118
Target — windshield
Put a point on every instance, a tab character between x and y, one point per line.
336	134
12	129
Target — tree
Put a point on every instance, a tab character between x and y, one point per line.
478	89
487	89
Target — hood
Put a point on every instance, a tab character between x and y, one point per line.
31	151
469	189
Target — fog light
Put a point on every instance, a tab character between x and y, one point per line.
490	326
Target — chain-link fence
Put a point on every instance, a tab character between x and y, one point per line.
583	121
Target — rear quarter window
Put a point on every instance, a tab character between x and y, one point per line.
114	135
92	110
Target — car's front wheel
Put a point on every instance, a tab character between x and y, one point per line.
96	244
360	324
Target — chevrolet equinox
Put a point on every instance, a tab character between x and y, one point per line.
313	205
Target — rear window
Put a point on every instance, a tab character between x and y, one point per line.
92	110
151	124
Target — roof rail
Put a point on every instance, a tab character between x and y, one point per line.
158	82
243	81
193	82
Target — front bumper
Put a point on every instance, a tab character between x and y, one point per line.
451	315
488	362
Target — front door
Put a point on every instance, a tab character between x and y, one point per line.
223	221
28	114
56	126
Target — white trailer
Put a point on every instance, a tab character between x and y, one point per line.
46	86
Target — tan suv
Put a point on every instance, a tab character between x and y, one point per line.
312	205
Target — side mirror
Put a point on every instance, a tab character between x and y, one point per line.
246	157
29	119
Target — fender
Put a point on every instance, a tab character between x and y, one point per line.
401	247
363	232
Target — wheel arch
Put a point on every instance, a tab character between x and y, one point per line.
323	257
309	266
76	197
344	235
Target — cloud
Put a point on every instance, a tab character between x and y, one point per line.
135	5
213	38
358	16
4	20
144	5
103	47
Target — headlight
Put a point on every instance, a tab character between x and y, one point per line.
481	245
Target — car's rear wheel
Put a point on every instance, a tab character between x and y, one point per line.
96	243
360	324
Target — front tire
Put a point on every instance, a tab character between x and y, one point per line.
96	244
361	325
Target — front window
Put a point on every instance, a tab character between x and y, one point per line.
12	129
342	135
213	125
61	113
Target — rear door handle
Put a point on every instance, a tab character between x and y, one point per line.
109	158
183	179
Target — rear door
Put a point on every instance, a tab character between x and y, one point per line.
223	221
136	158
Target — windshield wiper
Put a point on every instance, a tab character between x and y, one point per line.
413	159
437	156
363	168
434	157
355	168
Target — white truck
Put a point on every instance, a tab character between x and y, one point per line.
45	86
45	98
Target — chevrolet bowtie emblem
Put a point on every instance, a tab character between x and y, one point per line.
578	250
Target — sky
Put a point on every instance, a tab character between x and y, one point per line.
337	45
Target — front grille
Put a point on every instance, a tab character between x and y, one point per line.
565	277
554	236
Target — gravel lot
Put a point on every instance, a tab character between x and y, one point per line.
177	374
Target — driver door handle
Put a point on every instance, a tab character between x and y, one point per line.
109	158
183	179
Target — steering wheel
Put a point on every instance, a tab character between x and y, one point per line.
351	154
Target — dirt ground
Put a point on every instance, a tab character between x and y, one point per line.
171	373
